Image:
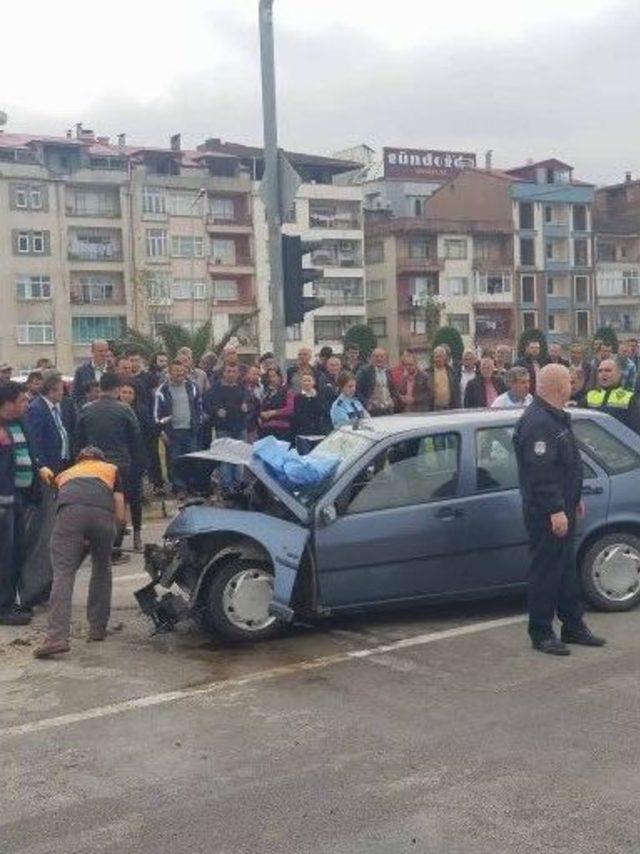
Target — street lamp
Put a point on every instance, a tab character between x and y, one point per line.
201	194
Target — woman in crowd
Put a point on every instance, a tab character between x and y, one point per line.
347	407
276	408
308	414
133	486
255	393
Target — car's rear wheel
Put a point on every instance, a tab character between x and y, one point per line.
610	572
236	603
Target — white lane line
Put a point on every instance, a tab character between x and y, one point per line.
134	576
251	678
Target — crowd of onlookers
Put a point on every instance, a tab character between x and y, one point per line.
144	415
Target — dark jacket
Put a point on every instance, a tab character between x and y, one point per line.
44	436
549	463
7	468
527	362
475	394
308	416
83	376
454	385
422	393
234	400
113	427
365	385
163	406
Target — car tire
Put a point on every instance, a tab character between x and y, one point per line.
234	603
610	572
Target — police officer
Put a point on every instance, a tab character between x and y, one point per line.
550	471
610	396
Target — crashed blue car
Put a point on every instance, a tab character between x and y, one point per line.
420	508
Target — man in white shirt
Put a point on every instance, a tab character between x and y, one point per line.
518	390
468	370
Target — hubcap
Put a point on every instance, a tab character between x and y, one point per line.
616	572
246	599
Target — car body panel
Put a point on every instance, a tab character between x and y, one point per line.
284	541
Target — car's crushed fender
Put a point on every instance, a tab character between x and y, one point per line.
284	541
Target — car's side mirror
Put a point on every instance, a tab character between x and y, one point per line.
328	514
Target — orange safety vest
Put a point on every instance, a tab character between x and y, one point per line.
89	468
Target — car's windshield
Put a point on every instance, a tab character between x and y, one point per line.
348	444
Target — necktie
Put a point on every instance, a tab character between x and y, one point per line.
63	433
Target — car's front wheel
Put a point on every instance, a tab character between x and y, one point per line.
236	602
610	572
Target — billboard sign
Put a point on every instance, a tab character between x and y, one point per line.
410	164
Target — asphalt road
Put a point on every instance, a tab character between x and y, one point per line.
434	731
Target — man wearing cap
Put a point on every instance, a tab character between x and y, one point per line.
90	505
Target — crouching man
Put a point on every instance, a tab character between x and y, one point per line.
90	505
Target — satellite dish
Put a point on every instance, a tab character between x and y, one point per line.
3	118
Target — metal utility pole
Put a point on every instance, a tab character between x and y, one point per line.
272	194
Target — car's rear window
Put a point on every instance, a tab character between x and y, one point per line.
612	454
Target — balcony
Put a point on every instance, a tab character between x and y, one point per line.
96	212
95	294
556	229
335	223
558	303
327	259
102	253
418	265
556	265
493	288
225	225
238	266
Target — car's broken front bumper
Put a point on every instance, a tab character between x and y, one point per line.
162	564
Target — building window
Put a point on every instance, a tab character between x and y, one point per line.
378	326
418	325
188	289
93	203
528	288
333	328
581	252
529	319
225	290
37	238
90	289
222	209
22	197
527	252
582	324
548	250
187	247
606	251
340	291
455	250
33	288
421	287
548	214
551	323
187	204
459	322
156	243
550	286
159	289
494	283
27	197
223	251
526	215
456	286
294	333
579	218
24	241
35	332
154	201
374	252
375	289
418	249
84	330
582	289
631	282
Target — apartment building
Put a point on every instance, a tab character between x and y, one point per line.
460	252
617	250
554	264
65	252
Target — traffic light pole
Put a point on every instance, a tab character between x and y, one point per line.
272	195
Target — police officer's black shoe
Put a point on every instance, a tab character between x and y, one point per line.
581	635
551	645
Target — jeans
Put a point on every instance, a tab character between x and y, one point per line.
180	442
231	475
8	565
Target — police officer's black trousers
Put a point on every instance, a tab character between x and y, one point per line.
553	581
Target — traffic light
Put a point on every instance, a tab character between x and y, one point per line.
296	304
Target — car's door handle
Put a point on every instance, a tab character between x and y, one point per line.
592	490
447	514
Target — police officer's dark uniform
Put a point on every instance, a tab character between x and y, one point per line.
619	402
550	471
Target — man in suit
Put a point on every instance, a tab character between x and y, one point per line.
50	444
375	387
91	371
483	390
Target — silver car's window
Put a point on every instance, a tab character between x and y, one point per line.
347	444
496	465
612	454
412	471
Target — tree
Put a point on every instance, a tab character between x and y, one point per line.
450	336
363	337
172	336
533	335
607	334
432	308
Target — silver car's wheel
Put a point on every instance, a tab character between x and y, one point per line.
611	572
235	601
246	598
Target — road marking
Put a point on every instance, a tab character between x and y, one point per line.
135	576
151	700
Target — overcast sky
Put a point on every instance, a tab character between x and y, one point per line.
526	78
